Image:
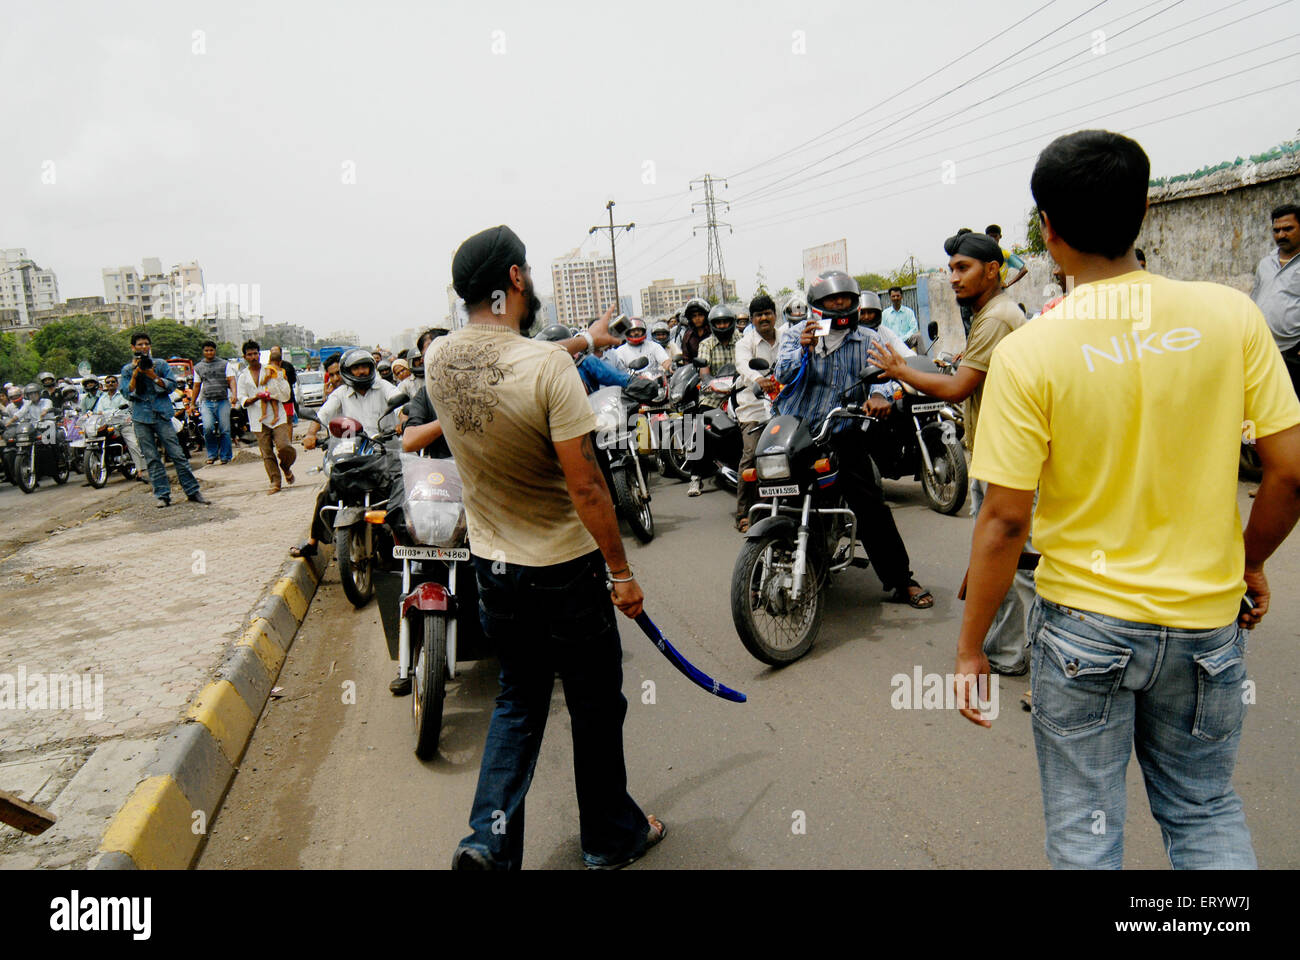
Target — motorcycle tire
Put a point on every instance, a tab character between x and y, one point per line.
1250	468
128	471
635	510
673	458
26	474
429	684
96	469
947	494
759	616
723	482
354	564
62	467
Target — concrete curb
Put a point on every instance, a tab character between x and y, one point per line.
162	824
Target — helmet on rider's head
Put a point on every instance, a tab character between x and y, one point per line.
796	309
69	395
45	377
554	333
636	331
869	303
722	321
91	384
31	391
354	358
693	306
385	369
660	333
830	284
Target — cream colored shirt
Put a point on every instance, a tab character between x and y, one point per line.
261	413
504	401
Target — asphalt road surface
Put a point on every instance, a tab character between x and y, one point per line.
816	770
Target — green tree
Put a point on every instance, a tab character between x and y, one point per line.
800	283
1034	233
19	360
872	281
784	292
167	338
78	339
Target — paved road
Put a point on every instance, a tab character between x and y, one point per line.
327	784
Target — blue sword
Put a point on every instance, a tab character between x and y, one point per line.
695	675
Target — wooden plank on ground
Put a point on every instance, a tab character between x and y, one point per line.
27	817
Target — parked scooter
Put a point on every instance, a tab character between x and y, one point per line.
802	533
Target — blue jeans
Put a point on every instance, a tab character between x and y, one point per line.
1103	687
540	621
150	435
1007	638
216	428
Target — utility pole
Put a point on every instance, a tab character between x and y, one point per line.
612	255
711	224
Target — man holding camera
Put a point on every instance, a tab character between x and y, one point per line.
150	384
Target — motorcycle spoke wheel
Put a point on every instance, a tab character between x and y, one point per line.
774	629
634	506
946	490
354	565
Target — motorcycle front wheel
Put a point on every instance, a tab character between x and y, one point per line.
674	457
775	629
62	466
429	684
633	505
26	470
352	549
96	468
945	489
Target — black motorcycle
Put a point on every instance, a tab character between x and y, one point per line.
710	443
40	449
359	470
619	411
801	533
922	440
105	448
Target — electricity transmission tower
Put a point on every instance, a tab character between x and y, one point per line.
711	224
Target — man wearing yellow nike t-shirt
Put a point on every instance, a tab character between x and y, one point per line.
1124	406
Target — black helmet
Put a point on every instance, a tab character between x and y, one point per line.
722	321
694	305
356	357
385	370
554	333
415	359
827	285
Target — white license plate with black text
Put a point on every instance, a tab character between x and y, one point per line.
431	553
927	407
788	490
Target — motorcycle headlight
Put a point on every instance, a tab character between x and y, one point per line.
608	415
773	466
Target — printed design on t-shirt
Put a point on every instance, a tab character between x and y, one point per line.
464	375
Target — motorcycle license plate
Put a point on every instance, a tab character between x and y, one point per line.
927	407
431	553
788	490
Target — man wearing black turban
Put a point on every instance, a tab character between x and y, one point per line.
974	261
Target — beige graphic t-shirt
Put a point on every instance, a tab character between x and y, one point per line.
987	328
503	401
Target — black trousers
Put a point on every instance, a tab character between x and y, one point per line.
876	528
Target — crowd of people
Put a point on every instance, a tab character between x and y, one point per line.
1133	626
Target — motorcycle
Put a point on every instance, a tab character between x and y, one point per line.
40	449
923	440
618	412
358	469
429	610
719	434
105	447
780	579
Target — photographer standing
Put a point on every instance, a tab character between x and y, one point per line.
516	417
150	384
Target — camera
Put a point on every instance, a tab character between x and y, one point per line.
145	362
620	325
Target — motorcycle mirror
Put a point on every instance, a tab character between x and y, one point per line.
398	400
699	364
933	329
640	363
758	363
305	414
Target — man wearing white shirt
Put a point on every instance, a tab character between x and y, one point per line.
639	345
263	391
758	341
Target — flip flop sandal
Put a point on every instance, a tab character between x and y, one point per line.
654	835
918	602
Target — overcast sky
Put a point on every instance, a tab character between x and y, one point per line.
231	146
